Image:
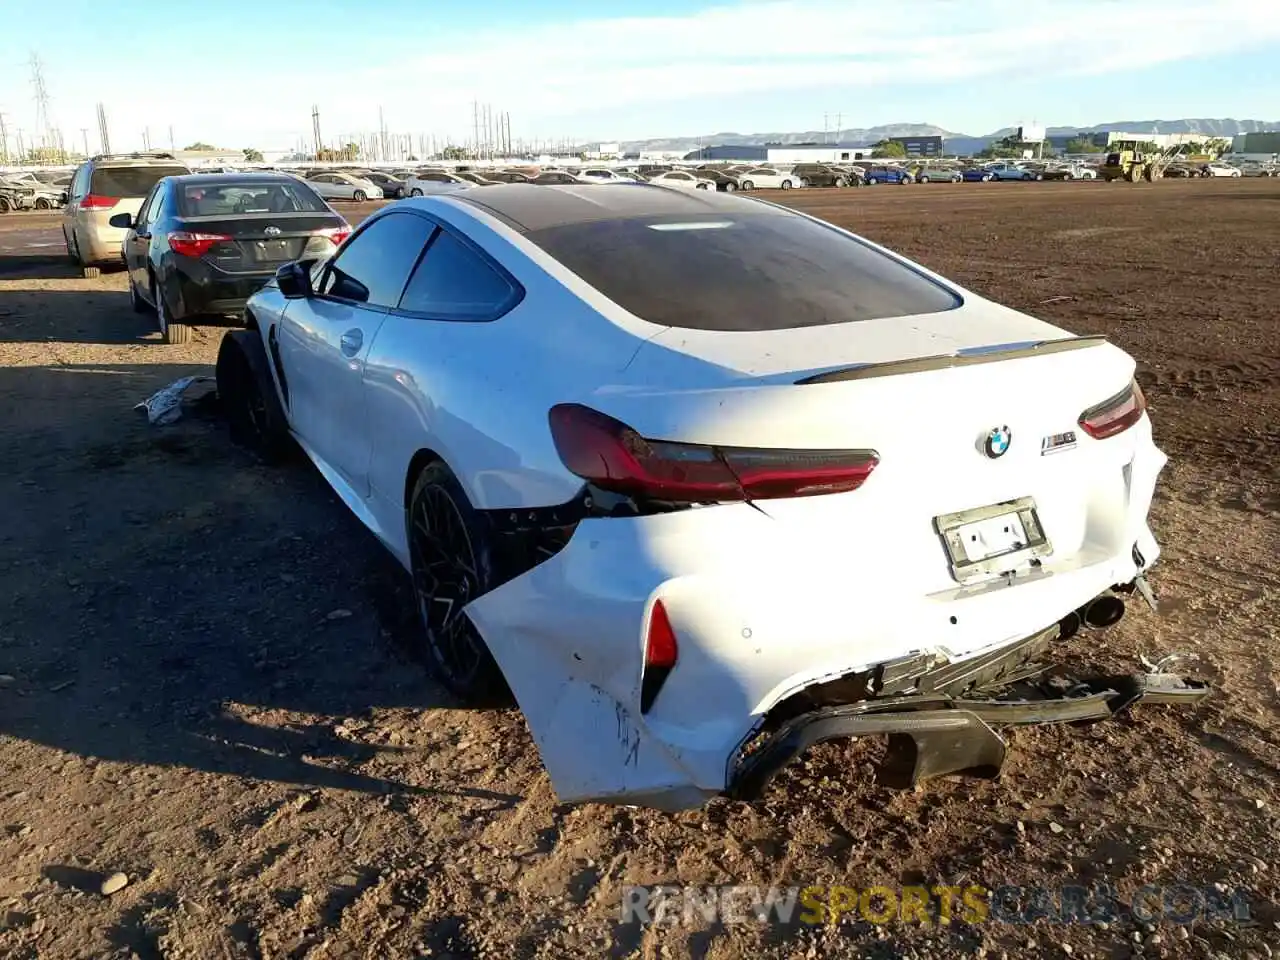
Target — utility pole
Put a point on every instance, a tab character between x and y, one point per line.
475	126
84	132
146	138
103	139
839	126
21	152
315	129
4	140
42	100
172	148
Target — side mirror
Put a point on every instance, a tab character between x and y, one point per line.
122	221
294	281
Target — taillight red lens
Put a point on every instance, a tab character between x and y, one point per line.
615	457
335	234
92	201
194	244
1115	414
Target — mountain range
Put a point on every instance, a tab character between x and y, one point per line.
866	135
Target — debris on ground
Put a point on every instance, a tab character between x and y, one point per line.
165	406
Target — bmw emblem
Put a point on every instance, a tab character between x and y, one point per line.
996	442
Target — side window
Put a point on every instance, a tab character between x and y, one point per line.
80	185
147	212
374	265
454	282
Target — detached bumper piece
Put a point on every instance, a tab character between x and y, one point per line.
934	733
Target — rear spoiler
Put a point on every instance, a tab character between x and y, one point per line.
969	356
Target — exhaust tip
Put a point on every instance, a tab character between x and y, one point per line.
1103	612
1069	626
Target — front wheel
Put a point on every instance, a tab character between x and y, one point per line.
42	203
872	181
730	187
136	302
359	196
5	205
246	394
924	178
452	563
748	185
786	184
416	192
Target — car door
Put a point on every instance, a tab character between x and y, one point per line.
137	242
324	339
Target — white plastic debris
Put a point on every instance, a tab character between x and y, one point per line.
165	406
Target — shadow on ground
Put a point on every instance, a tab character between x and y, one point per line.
171	601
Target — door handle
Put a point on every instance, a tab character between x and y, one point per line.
351	342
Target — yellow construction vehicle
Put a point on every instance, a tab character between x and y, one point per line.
1126	161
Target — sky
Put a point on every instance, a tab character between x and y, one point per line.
246	73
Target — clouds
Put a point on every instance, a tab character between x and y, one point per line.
553	76
549	73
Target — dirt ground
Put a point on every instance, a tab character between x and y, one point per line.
207	681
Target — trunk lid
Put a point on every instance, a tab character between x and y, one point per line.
924	393
261	242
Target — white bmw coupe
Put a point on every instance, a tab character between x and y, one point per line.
702	480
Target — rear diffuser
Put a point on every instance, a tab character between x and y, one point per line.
933	734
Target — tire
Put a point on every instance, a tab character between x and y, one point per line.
872	181
136	302
748	185
5	205
730	187
43	204
924	178
248	397
1069	176
701	186
786	184
416	192
398	194
452	562
170	332
359	196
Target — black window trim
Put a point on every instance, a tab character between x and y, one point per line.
518	291
364	304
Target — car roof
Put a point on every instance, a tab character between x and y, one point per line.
527	207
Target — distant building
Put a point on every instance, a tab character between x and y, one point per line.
920	146
1263	143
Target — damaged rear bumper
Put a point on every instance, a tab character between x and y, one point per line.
934	734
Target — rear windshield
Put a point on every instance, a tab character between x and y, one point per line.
247	196
130	181
743	272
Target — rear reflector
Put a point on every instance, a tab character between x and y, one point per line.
93	201
194	244
660	655
615	457
1115	414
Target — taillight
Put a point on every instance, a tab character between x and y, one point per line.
194	244
660	655
335	235
615	457
93	201
1115	414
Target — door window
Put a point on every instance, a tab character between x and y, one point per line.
456	282
374	265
